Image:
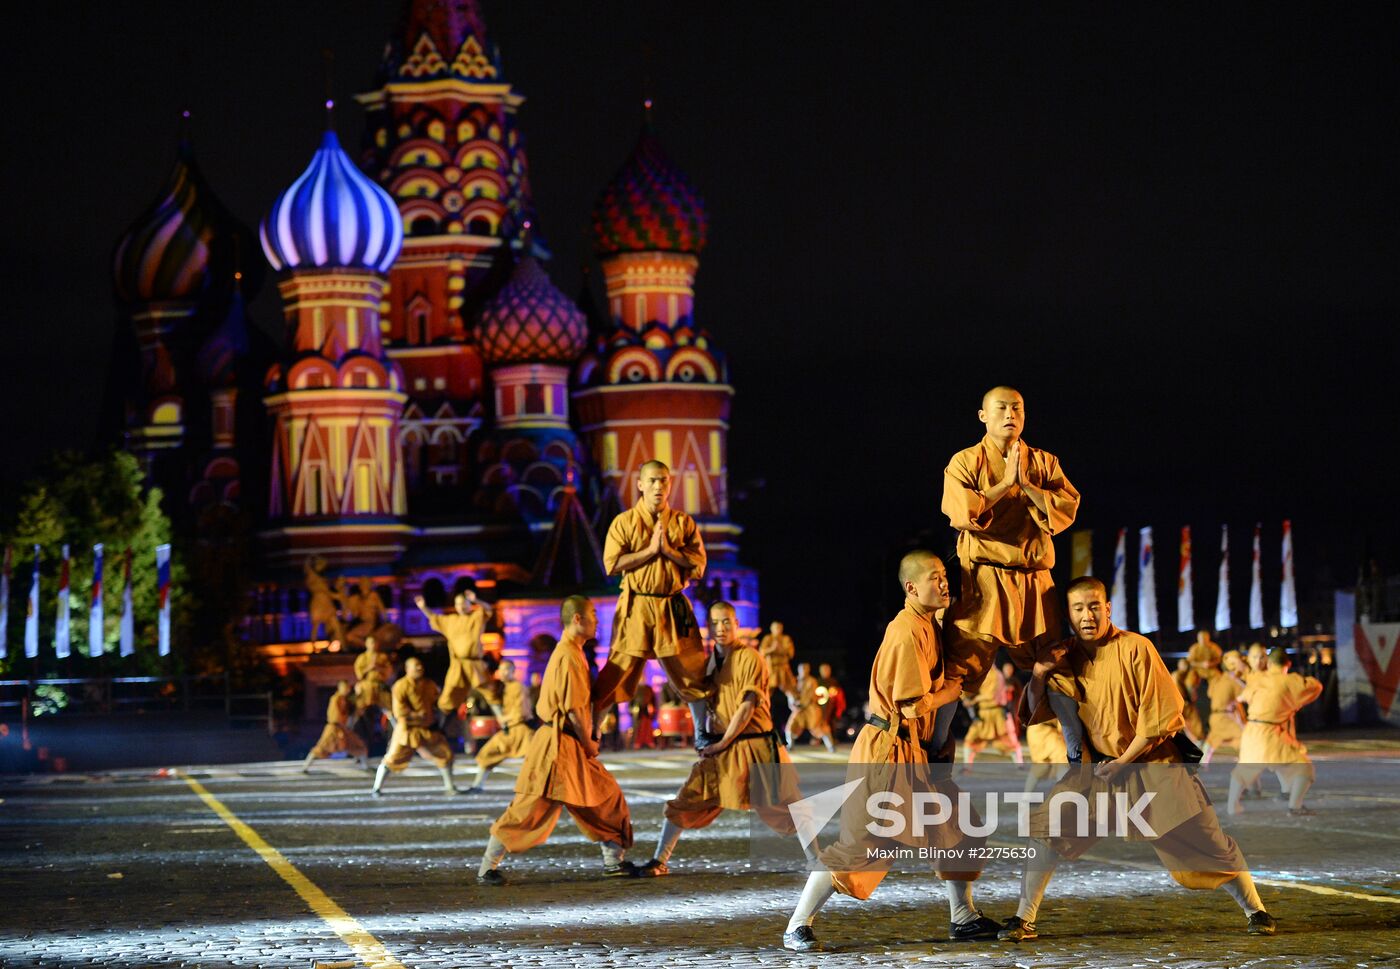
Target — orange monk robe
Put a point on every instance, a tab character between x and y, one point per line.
809	714
724	781
335	737
778	651
1124	691
466	669
1186	681
1224	727
991	727
906	686
1204	658
1272	699
414	716
653	618
514	736
1007	596
373	671
559	773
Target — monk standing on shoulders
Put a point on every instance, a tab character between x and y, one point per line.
657	550
1007	500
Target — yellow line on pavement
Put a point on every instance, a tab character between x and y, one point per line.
369	949
1325	890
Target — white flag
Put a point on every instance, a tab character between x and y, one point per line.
163	600
126	629
1119	596
31	615
1147	584
5	604
1185	605
1256	587
1288	596
1222	594
62	635
95	605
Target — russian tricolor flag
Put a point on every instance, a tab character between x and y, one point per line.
163	594
95	605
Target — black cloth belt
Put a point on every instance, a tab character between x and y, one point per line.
770	735
882	724
1009	568
681	613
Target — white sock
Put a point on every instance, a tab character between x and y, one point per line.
481	774
666	844
379	776
446	773
306	764
491	857
1241	889
1300	786
1035	879
960	907
830	744
612	853
819	889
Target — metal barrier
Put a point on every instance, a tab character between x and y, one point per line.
137	694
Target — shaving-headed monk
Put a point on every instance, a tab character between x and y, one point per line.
1272	700
513	713
657	550
415	728
906	686
337	736
562	769
721	778
462	628
1131	710
1007	500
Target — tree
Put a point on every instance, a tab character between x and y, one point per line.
79	500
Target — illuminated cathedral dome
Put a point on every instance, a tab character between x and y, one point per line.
332	216
530	321
649	206
165	253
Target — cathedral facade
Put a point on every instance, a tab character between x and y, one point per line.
440	416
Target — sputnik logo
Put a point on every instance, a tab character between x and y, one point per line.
811	814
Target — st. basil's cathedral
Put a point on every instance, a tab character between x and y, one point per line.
441	415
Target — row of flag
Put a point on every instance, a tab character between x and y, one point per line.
1185	604
62	635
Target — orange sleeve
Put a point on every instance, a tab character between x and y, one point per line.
963	501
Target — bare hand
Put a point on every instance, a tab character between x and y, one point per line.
712	750
658	536
420	602
1012	474
1109	769
1048	658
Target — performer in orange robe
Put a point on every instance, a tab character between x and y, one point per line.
778	649
462	628
1225	720
993	726
513	737
373	671
1007	501
1130	709
562	769
415	729
1272	700
721	779
658	551
906	686
808	716
336	736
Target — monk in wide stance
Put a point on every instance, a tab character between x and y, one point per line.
337	736
513	712
1007	501
906	686
808	715
1224	689
415	728
1131	711
721	778
373	671
562	769
462	628
1271	701
658	551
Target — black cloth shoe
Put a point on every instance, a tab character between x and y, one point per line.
492	877
1262	923
653	869
979	928
801	939
624	869
1016	929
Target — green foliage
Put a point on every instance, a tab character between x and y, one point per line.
82	501
48	699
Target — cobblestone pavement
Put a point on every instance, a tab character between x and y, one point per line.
131	869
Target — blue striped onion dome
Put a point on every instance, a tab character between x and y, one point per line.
332	216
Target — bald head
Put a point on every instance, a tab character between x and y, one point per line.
923	578
914	563
654	484
1004	414
578	617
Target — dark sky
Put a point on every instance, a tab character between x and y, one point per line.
1173	226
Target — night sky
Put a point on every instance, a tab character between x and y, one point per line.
1174	227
